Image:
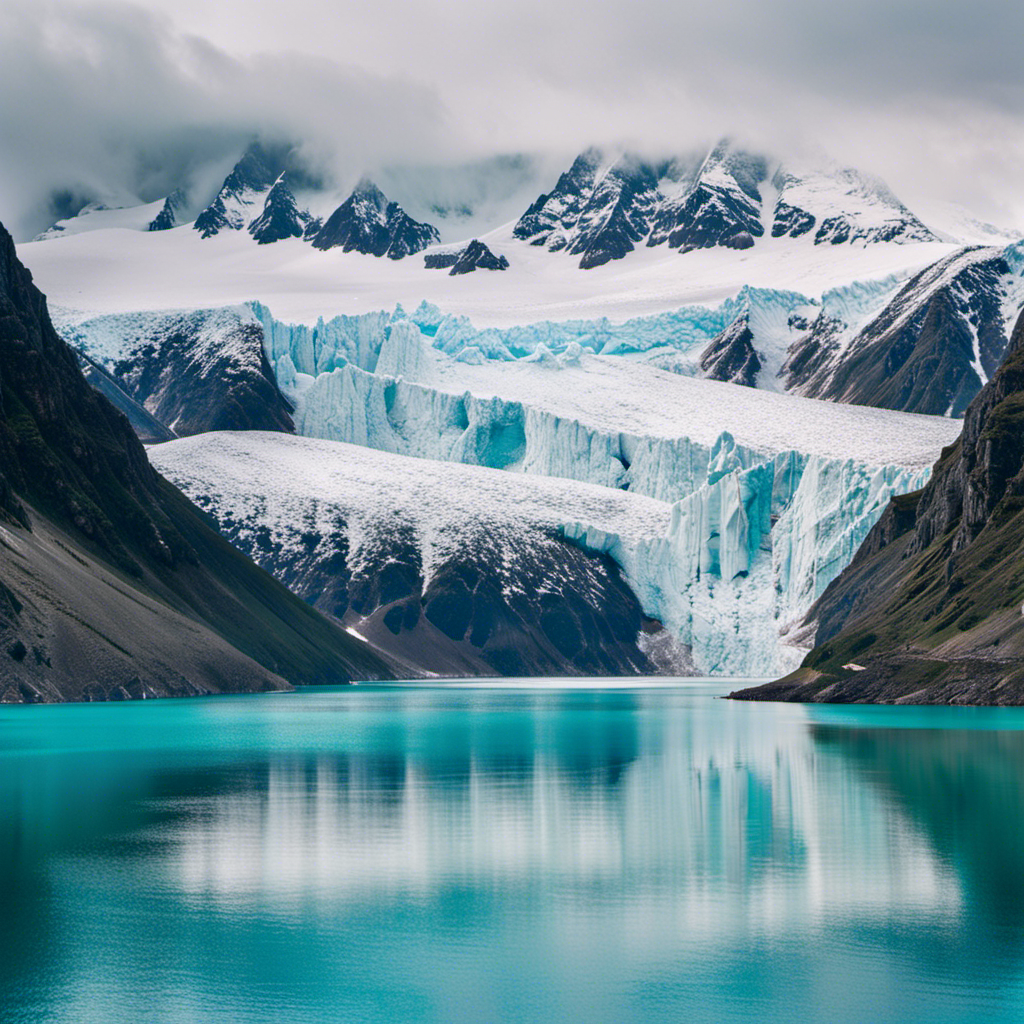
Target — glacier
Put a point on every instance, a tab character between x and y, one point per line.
767	496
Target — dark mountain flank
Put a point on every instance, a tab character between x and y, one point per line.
929	611
929	350
281	217
475	256
112	584
190	372
368	223
168	216
731	356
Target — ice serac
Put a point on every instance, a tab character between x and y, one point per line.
759	527
929	609
368	223
598	210
461	569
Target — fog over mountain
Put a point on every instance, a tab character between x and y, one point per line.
101	97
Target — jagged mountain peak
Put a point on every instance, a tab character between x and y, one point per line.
369	223
728	195
281	217
841	204
257	170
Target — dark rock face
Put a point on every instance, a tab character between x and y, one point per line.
196	371
568	611
129	586
259	168
442	260
167	218
929	611
281	217
731	356
366	222
599	216
723	207
476	256
923	352
147	427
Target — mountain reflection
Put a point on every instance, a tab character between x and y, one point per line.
964	790
428	853
692	819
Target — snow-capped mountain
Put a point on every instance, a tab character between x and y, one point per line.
929	349
839	204
281	217
598	211
602	207
245	189
369	223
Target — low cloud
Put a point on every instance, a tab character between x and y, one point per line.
117	97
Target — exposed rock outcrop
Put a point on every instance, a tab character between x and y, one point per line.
929	611
731	356
475	256
368	223
113	582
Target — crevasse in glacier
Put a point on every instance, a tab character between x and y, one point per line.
748	553
755	537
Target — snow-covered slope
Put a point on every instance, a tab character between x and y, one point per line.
97	217
195	371
113	270
728	570
839	204
461	569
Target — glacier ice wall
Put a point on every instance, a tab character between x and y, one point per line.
750	551
754	540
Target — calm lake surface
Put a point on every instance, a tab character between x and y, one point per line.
483	853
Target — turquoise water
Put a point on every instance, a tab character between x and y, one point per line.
490	854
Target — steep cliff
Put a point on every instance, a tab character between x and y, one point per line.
929	611
113	584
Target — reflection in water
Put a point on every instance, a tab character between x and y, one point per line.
419	853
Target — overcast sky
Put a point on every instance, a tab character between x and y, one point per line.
928	94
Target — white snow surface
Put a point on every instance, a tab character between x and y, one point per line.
97	217
108	271
730	570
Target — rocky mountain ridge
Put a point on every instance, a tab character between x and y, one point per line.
113	584
929	611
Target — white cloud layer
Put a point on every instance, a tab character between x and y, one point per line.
102	97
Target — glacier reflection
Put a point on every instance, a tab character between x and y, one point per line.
655	820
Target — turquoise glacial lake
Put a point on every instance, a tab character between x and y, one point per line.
492	853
